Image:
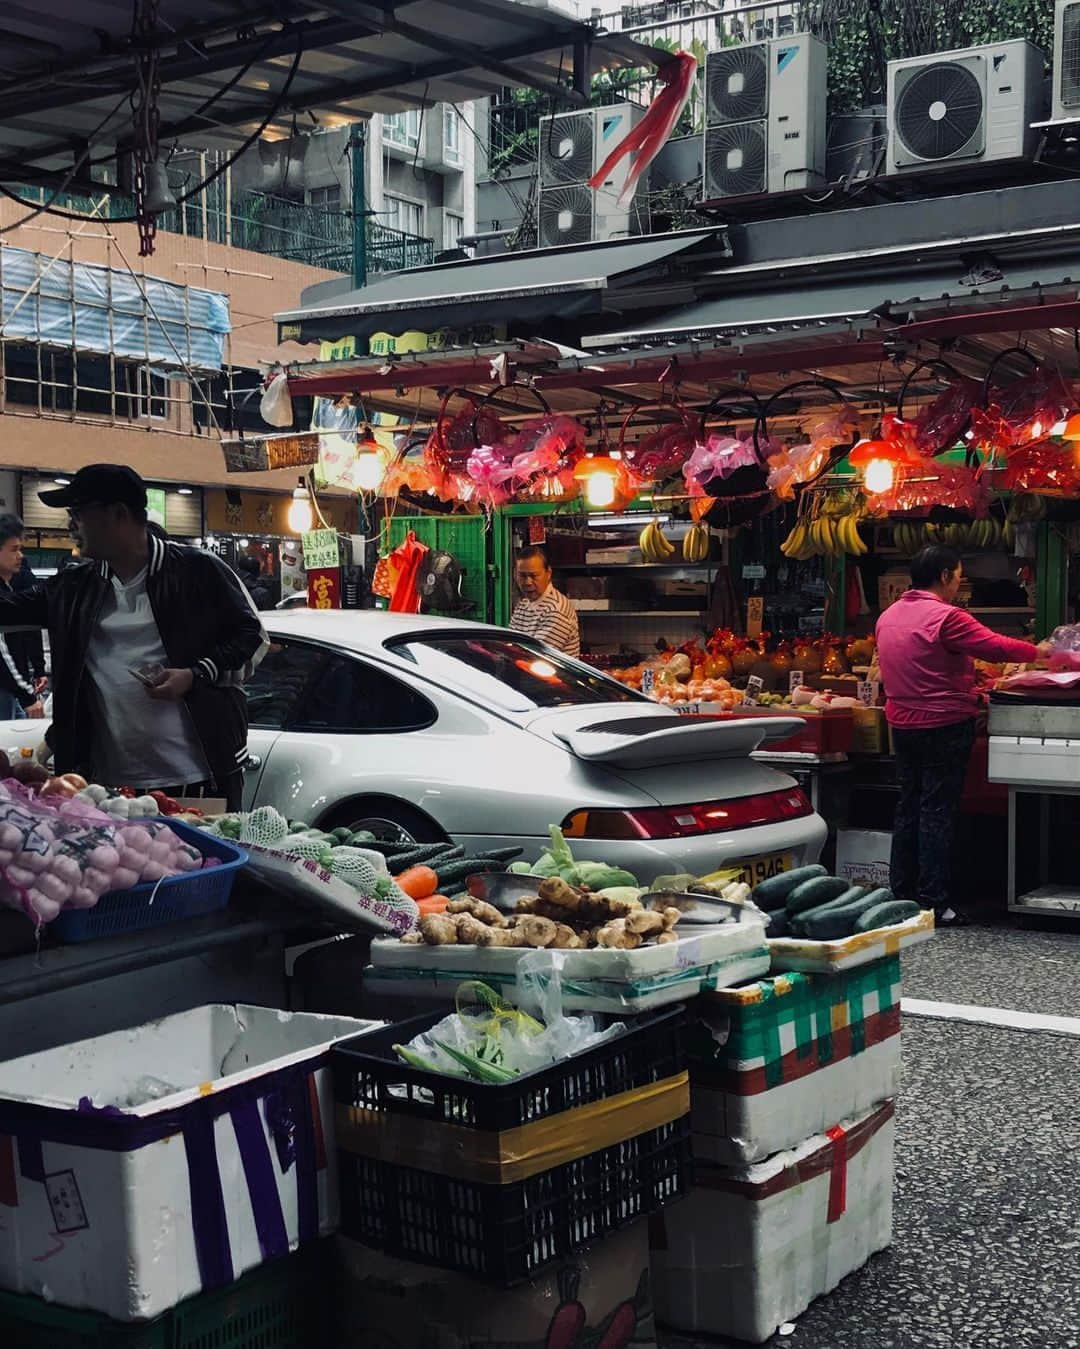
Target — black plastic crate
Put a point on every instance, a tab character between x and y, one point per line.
507	1234
368	1074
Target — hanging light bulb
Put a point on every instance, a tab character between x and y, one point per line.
879	476
600	474
301	516
369	467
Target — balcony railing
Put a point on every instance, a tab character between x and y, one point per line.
275	226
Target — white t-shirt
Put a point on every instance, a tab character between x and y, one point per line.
137	741
551	619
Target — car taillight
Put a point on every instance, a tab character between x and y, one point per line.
706	817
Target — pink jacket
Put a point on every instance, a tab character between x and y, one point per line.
926	650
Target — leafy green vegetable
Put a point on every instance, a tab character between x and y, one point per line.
476	1066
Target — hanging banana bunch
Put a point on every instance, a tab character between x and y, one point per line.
695	546
655	545
833	533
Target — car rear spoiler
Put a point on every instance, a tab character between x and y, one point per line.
641	742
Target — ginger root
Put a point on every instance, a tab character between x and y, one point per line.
556	891
616	936
439	929
566	939
479	908
645	923
501	936
413	938
671	916
536	931
666	937
471	931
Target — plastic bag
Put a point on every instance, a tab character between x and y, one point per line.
275	406
1065	648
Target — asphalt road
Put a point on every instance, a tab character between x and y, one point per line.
986	1245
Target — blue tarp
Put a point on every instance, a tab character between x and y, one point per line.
103	309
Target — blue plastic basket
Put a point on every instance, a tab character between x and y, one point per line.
186	896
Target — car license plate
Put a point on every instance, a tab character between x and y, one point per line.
755	870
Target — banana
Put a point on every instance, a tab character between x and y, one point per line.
654	544
855	542
695	546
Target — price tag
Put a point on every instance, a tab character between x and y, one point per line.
321	549
688	709
866	690
755	614
648	681
753	571
754	685
794	680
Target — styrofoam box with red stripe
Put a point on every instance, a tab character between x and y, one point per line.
779	1059
751	1247
141	1167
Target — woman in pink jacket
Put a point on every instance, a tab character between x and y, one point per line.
926	650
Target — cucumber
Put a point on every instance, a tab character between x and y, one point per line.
468	866
841	902
811	893
454	854
421	855
831	922
777	926
884	915
342	835
773	892
381	846
500	854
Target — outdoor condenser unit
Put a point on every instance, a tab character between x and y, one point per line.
964	107
1066	101
572	147
765	117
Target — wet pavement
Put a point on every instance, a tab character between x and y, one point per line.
986	1246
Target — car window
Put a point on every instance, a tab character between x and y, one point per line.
509	672
351	696
274	690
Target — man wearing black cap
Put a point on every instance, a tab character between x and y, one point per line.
150	647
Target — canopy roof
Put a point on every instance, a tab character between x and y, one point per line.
230	67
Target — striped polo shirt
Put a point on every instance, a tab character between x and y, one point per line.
551	619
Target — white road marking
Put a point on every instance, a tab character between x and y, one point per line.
991	1016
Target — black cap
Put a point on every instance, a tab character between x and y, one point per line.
100	485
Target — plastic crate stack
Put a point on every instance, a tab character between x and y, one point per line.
508	1183
793	1080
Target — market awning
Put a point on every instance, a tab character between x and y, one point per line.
953	288
530	287
229	69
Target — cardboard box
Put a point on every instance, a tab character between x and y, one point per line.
774	1061
870	733
862	856
600	1296
752	1247
586	587
129	1208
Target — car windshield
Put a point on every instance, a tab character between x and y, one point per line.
508	672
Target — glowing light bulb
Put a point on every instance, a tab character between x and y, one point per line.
368	470
301	517
880	476
600	489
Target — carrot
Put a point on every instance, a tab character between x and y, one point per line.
433	904
418	882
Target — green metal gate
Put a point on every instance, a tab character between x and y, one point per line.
466	537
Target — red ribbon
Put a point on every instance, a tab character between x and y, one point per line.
837	1173
645	140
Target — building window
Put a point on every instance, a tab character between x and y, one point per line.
402	128
328	198
451	134
148	393
453	229
403	215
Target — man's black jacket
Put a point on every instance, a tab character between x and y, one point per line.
206	622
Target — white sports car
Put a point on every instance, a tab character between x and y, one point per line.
432	728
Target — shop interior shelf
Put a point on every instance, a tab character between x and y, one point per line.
639	613
1060	901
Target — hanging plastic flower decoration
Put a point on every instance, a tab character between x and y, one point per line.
715	459
488	470
1043	466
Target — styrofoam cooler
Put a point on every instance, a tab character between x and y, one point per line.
751	1247
128	1209
775	1061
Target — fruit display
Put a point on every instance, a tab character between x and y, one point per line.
654	544
827	536
695	547
910	536
809	903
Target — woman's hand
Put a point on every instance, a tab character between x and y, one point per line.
1044	650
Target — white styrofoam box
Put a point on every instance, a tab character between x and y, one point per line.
775	1061
600	979
1031	761
129	1209
750	1248
846	953
862	856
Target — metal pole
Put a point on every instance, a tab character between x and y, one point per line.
357	144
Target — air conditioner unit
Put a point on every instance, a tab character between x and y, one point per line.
1066	102
572	147
765	117
974	106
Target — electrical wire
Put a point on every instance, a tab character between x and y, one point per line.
38	209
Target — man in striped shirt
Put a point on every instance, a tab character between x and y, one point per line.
543	612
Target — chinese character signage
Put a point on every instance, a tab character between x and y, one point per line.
324	588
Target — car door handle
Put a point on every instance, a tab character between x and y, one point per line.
252	763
